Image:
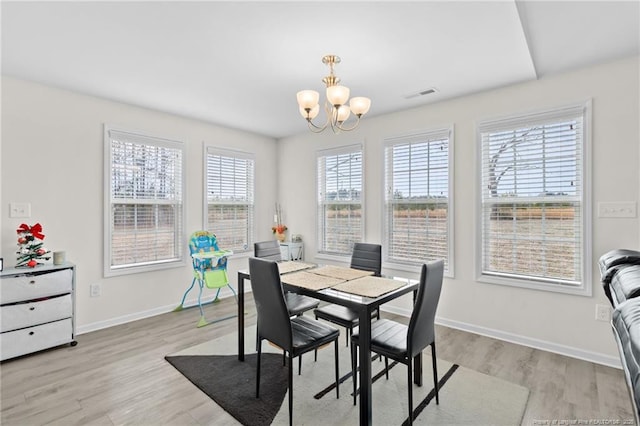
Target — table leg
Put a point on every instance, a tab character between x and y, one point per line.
365	366
241	316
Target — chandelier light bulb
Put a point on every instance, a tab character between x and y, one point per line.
343	113
337	95
308	98
360	106
313	113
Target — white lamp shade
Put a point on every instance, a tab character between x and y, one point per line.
312	114
360	105
343	113
337	95
308	98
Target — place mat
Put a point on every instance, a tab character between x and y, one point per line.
369	286
341	272
292	266
311	281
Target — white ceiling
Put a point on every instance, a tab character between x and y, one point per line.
240	64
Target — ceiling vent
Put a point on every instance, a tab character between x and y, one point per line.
428	91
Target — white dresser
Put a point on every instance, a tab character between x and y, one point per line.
37	309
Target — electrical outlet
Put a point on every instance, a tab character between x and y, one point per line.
95	290
603	313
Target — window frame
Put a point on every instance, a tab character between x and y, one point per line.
179	237
414	137
251	226
550	285
345	149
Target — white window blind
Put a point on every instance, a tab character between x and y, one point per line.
144	215
533	197
230	198
340	221
417	198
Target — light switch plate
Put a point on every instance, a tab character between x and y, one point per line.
19	210
617	209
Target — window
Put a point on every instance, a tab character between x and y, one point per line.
340	221
144	202
229	200
533	200
418	207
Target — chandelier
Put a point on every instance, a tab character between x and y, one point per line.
335	105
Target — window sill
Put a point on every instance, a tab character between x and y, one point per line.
414	269
143	268
334	258
583	290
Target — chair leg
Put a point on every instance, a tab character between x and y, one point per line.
435	370
410	387
290	390
337	371
259	350
386	367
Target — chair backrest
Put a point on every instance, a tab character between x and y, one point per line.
269	250
203	241
273	316
367	257
421	325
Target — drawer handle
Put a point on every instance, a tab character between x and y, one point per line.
32	308
32	282
31	333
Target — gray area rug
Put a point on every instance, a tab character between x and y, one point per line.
466	396
231	384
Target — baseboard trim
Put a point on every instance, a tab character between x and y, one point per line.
95	326
595	357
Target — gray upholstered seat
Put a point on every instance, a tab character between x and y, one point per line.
297	303
401	342
296	335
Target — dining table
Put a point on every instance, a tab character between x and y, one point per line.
341	293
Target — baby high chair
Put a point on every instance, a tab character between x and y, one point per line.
209	269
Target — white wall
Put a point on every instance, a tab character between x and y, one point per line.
558	322
52	157
52	151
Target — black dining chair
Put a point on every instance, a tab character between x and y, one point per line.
366	257
402	342
295	335
296	303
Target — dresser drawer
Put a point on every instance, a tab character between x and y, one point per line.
23	315
32	339
34	286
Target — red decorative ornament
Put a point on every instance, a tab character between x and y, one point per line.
30	246
35	230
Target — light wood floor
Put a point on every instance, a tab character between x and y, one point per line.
119	376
